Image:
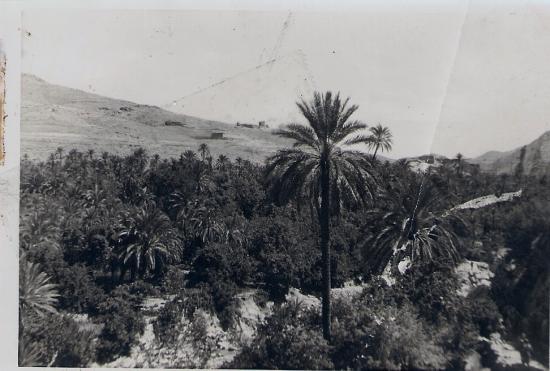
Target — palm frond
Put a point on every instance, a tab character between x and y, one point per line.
415	226
36	293
302	135
295	173
145	234
347	129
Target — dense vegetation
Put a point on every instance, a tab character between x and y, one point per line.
99	233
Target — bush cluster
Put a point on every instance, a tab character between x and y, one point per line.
122	323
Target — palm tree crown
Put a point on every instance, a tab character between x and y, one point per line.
146	239
189	155
204	151
36	293
380	138
414	223
296	173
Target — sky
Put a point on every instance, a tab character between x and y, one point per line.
445	77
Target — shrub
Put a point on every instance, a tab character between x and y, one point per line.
142	289
174	280
403	341
80	292
223	298
123	323
203	343
221	267
56	341
384	337
248	196
484	311
285	248
285	342
278	273
224	262
167	326
432	288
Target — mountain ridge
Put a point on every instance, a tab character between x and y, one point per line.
534	158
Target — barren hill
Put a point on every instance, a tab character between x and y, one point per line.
534	157
55	116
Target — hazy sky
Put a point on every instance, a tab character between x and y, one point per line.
474	75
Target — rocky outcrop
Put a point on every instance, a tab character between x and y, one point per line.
472	274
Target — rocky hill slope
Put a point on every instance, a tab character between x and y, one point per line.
55	116
532	159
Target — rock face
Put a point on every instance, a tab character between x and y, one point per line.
473	274
488	200
533	159
507	356
422	164
201	343
473	363
347	293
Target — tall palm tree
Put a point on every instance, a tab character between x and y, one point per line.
204	151
318	169
204	224
458	160
380	138
51	160
222	162
154	161
59	152
95	199
189	156
202	177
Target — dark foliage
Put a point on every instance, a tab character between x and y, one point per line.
123	323
53	346
285	342
217	228
167	325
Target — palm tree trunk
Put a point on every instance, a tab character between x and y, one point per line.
375	151
133	272
324	234
122	275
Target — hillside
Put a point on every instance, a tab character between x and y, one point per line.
54	116
535	158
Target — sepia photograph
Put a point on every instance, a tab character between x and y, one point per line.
363	187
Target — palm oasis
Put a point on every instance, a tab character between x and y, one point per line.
325	256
